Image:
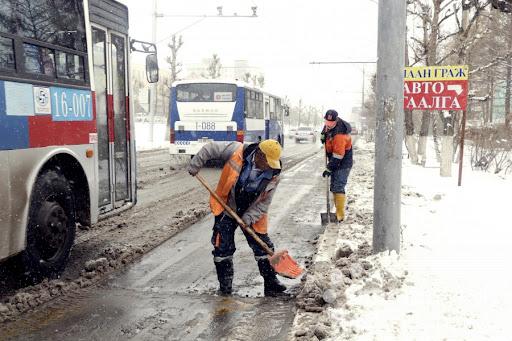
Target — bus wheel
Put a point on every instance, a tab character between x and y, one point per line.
51	227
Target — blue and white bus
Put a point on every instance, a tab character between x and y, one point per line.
203	111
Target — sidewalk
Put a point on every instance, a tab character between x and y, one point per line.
451	281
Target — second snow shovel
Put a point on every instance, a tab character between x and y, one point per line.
281	261
328	217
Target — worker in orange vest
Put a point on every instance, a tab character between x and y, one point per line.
247	184
338	149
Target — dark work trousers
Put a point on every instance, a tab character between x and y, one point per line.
339	178
223	239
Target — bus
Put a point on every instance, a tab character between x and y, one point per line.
203	111
67	153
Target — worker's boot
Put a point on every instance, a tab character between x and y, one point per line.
339	201
272	286
225	276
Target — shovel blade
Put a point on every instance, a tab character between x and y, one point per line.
284	265
328	218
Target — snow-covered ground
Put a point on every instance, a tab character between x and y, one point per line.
451	281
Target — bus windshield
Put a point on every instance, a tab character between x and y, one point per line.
206	92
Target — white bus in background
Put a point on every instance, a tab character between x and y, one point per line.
203	111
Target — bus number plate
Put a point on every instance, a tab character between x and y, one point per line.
71	104
205	126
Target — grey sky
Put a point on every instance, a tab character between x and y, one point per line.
287	35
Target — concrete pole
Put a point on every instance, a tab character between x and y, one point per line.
153	87
390	125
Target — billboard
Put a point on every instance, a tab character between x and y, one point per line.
436	87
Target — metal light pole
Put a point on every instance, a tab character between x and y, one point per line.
390	126
362	92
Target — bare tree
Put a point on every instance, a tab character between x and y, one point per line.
246	77
254	80
508	81
213	69
176	68
261	81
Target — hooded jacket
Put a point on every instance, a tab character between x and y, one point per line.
253	205
338	145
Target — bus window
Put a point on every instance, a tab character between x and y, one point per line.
70	66
58	22
206	92
259	106
99	41
273	114
119	99
6	54
39	60
279	109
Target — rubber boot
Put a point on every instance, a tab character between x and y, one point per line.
272	286
225	276
339	201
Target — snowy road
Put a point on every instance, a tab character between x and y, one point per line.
170	292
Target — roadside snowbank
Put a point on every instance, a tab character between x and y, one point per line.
451	280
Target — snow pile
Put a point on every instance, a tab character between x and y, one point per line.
382	283
341	259
452	279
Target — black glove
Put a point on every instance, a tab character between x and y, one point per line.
326	173
191	171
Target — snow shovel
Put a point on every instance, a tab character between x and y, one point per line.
281	261
328	217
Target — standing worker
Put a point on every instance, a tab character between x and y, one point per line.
247	184
338	150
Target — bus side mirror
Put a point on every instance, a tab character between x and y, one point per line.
152	73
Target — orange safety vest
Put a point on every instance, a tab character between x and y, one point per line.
228	179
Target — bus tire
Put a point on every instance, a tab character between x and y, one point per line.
51	227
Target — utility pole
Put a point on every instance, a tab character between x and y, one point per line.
362	92
390	126
300	112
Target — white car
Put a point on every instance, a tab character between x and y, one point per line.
305	134
291	133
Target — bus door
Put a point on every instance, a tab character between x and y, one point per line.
111	87
267	117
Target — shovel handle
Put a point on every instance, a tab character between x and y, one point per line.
235	216
327	192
